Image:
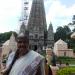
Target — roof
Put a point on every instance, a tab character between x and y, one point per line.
61	42
6	43
11	40
48	49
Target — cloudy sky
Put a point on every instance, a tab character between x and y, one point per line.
59	12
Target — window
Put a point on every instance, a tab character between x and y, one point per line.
31	37
64	53
36	35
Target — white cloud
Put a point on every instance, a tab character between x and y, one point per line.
10	12
59	14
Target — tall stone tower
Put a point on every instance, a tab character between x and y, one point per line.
50	37
37	25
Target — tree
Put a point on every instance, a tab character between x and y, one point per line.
68	33
67	30
5	36
53	61
60	34
73	30
73	22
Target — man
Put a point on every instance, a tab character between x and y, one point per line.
25	61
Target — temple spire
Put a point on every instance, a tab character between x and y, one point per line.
50	36
37	24
37	15
22	28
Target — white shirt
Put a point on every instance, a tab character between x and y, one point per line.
23	62
10	58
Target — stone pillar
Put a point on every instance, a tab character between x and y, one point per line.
54	69
49	55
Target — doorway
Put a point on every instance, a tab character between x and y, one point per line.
35	47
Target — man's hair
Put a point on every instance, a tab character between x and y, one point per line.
24	36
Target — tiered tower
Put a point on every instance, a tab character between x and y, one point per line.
37	25
50	37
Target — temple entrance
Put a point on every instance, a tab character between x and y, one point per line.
35	47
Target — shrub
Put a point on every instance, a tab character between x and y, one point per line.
66	71
64	60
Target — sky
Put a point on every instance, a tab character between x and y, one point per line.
58	12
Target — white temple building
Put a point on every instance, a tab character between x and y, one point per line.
9	45
61	49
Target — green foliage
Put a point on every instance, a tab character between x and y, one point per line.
66	71
71	43
74	49
67	29
5	36
65	60
53	60
73	30
65	57
43	52
4	59
62	33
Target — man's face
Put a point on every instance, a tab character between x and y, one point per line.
22	44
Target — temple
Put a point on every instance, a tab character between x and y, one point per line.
39	36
